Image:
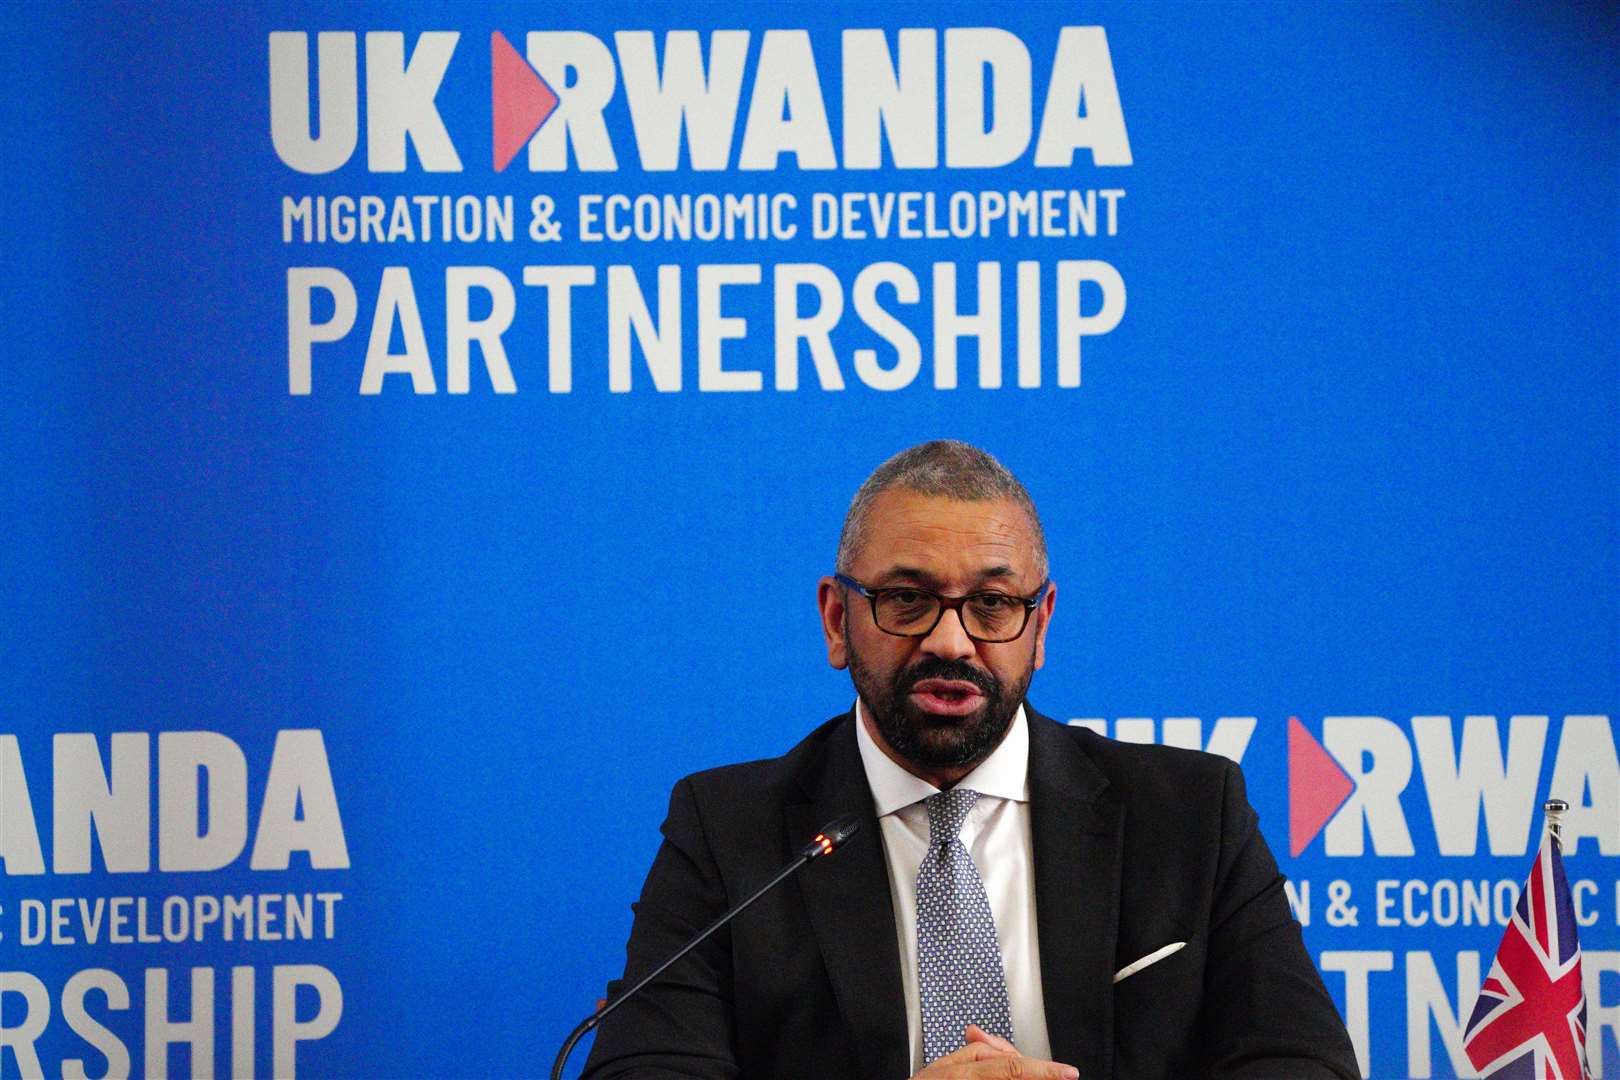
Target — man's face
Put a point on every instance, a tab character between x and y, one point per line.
940	704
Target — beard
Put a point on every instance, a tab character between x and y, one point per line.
930	740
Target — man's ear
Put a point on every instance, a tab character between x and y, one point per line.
1043	619
830	598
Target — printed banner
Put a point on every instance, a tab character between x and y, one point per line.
427	425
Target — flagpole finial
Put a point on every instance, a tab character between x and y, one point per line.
1554	809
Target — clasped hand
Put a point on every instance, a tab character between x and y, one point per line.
990	1057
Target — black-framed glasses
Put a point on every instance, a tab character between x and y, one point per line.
907	611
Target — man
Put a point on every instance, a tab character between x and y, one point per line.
1025	899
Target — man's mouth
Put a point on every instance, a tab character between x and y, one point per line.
946	697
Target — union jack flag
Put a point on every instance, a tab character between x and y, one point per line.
1530	1020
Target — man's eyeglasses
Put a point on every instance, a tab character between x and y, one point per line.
907	611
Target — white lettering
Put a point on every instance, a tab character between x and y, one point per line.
660	341
461	329
683	95
1082	71
182	757
1425	997
950	325
559	283
300	778
1586	774
198	1031
786	114
19	834
908	352
20	1034
880	101
1376	801
286	1030
397	297
969	55
302	331
1072	274
119	807
714	328
581	68
399	101
1461	783
814	330
338	94
91	1030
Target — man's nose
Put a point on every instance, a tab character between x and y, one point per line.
949	639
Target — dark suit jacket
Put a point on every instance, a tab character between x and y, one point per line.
1135	847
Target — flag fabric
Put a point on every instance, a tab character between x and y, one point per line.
1530	1020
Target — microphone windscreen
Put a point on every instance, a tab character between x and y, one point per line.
835	832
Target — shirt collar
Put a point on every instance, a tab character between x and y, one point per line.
1002	775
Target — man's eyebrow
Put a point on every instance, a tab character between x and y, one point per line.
910	573
931	581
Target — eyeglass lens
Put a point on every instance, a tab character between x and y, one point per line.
986	616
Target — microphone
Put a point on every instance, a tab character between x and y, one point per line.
832	836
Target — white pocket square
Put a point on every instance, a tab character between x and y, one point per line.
1151	958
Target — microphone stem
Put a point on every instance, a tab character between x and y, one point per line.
595	1018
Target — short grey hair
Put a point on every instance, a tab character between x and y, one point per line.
943	467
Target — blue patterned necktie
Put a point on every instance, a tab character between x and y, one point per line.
959	974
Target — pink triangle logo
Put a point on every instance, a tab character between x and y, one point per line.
1317	787
520	99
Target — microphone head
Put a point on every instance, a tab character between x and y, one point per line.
832	836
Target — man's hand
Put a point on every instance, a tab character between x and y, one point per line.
990	1057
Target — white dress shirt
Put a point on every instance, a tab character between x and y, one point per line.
997	836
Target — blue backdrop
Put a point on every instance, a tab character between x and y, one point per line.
1348	456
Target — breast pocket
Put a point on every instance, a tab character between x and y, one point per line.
1148	960
1158	996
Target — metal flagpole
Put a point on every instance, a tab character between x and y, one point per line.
1554	809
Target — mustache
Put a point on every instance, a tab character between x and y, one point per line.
937	667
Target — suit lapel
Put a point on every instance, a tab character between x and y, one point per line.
847	896
1078	831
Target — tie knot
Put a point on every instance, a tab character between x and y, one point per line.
946	812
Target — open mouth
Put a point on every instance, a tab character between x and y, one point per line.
948	697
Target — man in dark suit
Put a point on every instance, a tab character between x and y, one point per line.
1024	899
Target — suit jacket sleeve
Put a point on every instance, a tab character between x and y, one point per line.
1266	1012
689	1006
